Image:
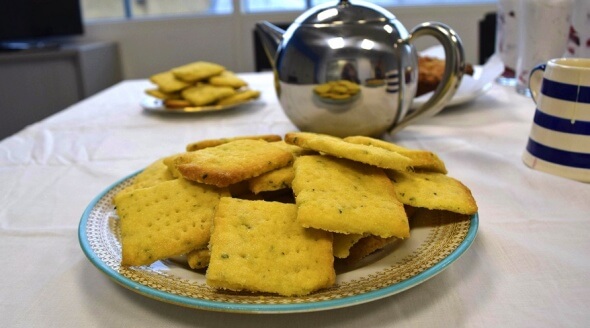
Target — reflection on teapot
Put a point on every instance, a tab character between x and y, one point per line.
364	44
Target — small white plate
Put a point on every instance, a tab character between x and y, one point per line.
435	243
152	104
471	87
468	90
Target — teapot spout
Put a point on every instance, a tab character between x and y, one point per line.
271	36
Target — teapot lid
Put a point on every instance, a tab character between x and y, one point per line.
345	12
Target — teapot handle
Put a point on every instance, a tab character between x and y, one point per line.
454	69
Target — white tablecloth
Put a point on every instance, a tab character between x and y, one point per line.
528	266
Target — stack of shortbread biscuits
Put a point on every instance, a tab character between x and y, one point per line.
270	214
200	84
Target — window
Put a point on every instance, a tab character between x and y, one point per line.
251	6
129	9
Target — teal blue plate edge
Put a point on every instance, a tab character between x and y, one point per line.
266	308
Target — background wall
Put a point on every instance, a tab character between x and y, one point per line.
148	46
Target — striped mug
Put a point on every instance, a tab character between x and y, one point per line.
559	141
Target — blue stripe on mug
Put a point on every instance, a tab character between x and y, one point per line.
558	156
565	91
560	124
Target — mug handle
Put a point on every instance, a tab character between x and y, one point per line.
454	70
535	81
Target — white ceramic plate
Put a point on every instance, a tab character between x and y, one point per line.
472	86
152	104
469	90
435	243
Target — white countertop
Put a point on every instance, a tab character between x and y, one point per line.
528	266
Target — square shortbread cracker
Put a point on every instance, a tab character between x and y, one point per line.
168	219
152	175
434	191
168	83
201	144
197	71
259	246
337	147
420	159
231	162
204	94
344	196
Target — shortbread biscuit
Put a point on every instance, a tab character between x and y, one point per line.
343	243
433	191
274	180
294	149
227	79
364	247
197	71
219	141
152	175
198	258
176	103
344	196
231	162
430	73
280	178
204	94
239	97
168	219
157	93
337	147
166	82
259	246
420	159
170	163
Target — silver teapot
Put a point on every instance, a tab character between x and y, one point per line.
350	68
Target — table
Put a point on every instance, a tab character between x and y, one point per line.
527	267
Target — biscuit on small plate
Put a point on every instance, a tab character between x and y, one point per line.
227	79
197	71
205	94
167	83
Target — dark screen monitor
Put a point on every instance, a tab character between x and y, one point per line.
36	22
